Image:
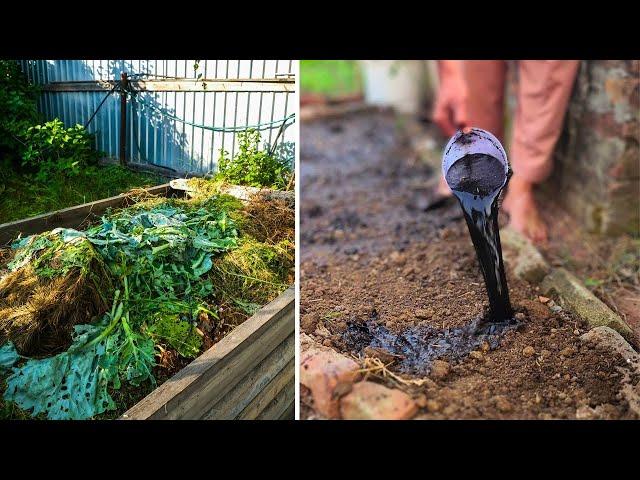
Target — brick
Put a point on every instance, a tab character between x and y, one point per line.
372	401
327	374
582	302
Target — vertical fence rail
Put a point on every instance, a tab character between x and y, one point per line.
153	137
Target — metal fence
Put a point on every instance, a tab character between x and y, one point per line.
183	112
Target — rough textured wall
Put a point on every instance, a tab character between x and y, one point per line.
597	165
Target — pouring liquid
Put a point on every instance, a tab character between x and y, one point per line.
477	180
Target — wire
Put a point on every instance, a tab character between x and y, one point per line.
259	126
116	85
128	89
272	149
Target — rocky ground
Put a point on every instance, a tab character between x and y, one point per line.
370	253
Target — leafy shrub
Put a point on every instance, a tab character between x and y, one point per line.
51	148
252	166
17	108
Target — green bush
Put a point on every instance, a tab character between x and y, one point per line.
18	110
45	149
52	148
252	166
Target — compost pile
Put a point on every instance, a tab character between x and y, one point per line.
84	312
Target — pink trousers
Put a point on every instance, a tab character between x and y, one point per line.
544	88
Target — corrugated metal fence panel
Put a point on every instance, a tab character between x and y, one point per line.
153	138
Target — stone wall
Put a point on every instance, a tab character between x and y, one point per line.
597	162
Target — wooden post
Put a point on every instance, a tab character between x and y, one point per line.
123	119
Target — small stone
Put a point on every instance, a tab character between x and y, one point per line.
585	413
380	353
476	355
338	234
556	308
433	406
520	316
429	384
528	351
327	342
543	299
423	313
445	233
421	400
398	258
450	410
568	351
502	404
408	271
372	401
554	330
308	322
440	369
322	331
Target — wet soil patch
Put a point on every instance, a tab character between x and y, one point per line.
414	349
403	273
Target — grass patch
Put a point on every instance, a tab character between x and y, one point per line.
24	197
330	77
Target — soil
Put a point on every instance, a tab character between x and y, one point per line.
371	255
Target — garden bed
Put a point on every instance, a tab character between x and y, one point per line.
376	266
233	351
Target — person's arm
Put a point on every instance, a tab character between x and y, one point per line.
450	111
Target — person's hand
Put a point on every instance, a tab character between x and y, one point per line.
450	109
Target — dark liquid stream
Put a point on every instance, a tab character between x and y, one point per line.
477	180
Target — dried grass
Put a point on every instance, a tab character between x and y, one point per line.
38	313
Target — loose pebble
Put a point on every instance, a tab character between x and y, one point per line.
440	369
476	355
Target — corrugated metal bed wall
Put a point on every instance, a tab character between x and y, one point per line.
167	126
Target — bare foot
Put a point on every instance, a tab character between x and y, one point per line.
443	189
521	206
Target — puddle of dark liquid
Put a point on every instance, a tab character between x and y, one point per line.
477	180
417	347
